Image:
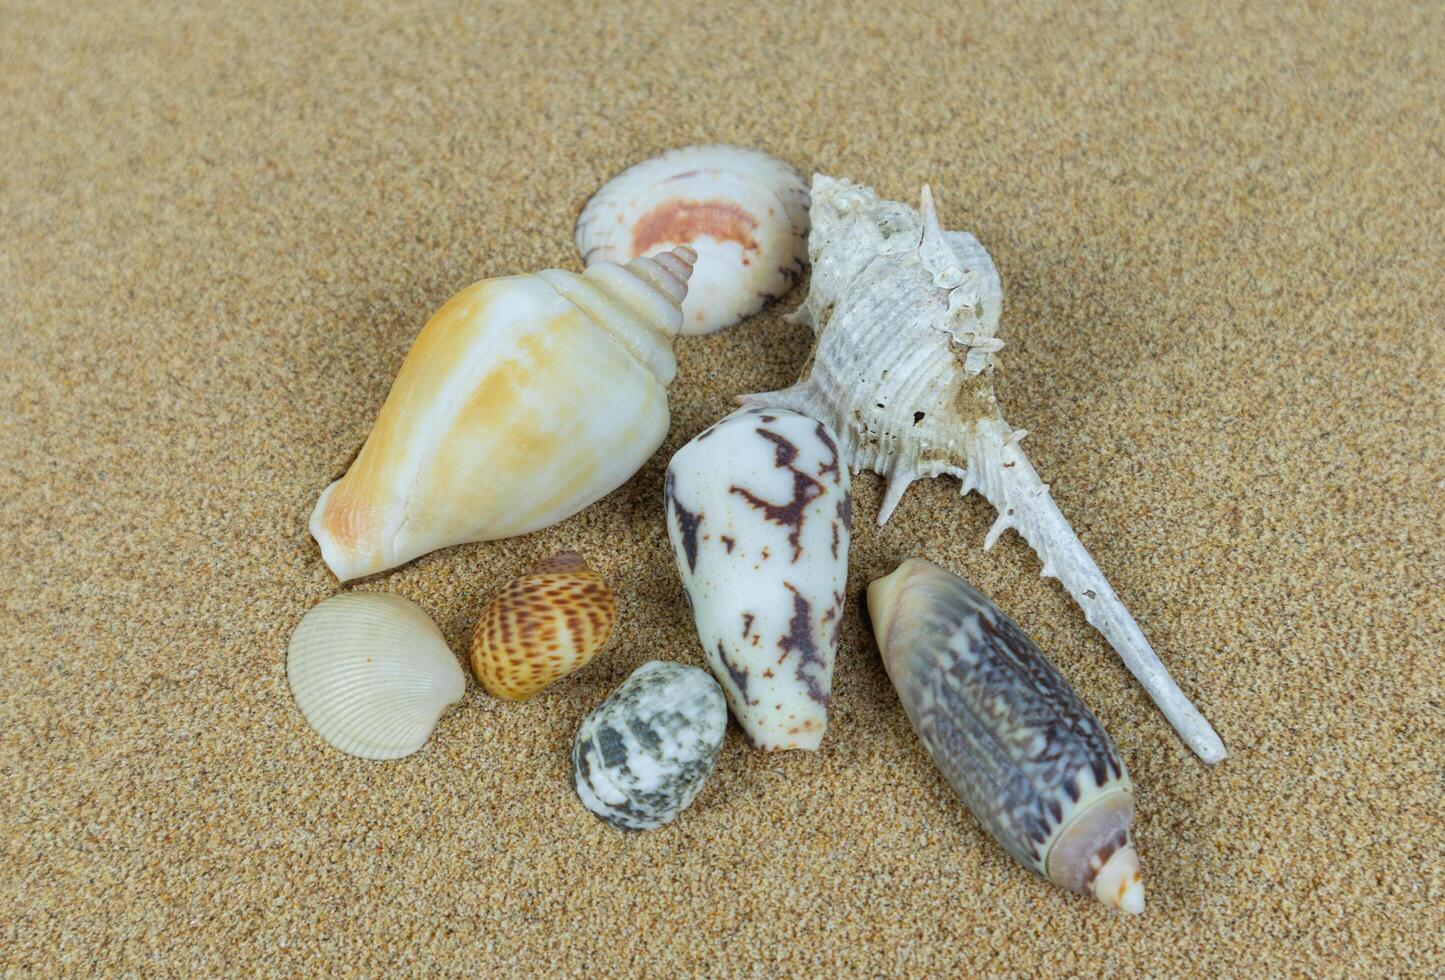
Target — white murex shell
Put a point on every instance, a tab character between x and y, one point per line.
743	211
759	514
905	315
372	674
523	400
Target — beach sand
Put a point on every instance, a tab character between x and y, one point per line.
1220	235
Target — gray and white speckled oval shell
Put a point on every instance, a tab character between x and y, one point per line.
759	513
642	756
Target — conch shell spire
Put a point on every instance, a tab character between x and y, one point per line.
906	315
523	400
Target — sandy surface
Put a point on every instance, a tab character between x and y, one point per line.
1220	234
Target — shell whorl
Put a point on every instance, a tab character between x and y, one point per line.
918	308
667	272
639	304
906	315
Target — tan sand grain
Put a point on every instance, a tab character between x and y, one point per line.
1220	233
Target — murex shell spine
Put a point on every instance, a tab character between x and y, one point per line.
906	316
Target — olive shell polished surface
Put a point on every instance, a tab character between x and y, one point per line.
1015	742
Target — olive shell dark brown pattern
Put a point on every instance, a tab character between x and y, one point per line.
1020	748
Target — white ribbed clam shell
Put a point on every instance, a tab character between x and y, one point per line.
372	674
743	211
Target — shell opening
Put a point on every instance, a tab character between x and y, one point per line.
743	211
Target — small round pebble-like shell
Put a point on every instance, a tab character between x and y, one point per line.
743	211
642	756
372	674
541	627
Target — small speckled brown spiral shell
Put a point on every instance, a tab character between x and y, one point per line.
541	627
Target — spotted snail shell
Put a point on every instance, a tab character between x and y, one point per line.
541	627
1014	741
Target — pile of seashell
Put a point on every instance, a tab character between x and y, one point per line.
527	398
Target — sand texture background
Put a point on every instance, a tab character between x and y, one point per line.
1220	234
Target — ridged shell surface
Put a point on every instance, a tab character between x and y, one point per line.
759	513
541	627
905	324
1028	757
906	315
642	756
372	674
743	211
523	400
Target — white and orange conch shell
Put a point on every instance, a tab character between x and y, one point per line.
906	315
523	400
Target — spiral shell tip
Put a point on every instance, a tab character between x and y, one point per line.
1119	884
1133	899
679	261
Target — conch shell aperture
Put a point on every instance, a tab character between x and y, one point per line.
523	400
906	316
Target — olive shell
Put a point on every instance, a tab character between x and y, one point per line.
1020	748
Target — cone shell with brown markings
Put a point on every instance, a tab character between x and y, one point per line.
743	211
541	627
